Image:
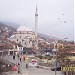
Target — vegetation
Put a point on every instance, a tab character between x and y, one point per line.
63	54
45	57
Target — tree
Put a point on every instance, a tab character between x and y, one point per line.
63	53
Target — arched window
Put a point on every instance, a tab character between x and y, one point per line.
25	43
29	41
17	39
20	36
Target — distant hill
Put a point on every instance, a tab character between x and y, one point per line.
6	30
45	37
14	25
5	25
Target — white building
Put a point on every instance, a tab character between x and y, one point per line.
26	36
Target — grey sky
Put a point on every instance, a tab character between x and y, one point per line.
52	14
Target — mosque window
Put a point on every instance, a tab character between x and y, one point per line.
33	45
21	48
17	39
33	41
29	41
15	47
20	36
20	42
25	43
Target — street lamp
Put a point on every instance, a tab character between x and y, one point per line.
56	64
56	53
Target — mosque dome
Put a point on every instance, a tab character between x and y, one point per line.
12	36
24	28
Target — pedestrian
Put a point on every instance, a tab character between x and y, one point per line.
19	68
18	55
26	66
13	56
18	64
20	59
24	58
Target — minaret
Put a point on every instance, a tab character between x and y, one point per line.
36	21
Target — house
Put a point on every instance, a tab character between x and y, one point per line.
17	48
9	47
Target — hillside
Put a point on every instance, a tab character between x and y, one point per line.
11	27
6	31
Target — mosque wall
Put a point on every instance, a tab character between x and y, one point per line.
27	40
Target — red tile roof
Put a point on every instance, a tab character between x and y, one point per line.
6	46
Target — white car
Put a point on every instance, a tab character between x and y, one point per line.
33	63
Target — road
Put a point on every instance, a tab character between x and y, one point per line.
30	70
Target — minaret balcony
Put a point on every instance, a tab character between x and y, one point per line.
36	14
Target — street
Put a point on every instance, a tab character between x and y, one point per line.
30	70
34	71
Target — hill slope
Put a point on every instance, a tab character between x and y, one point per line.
12	27
5	30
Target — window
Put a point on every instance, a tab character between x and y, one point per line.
15	47
17	39
21	48
20	42
29	41
25	43
33	45
20	36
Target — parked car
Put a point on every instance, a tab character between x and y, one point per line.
33	63
14	68
57	68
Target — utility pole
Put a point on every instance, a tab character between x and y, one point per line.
56	58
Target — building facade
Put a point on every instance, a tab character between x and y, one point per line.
25	36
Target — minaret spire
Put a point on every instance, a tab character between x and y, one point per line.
36	20
36	12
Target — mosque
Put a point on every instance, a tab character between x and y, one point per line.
26	36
